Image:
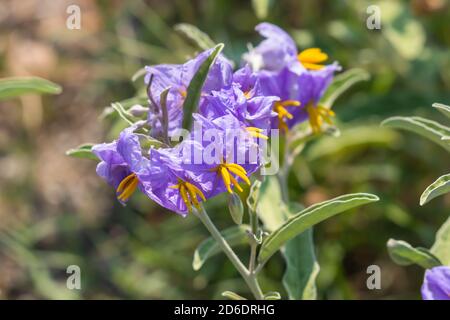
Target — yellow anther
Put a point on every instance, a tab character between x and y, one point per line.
226	170
317	115
280	108
183	92
248	94
312	58
257	133
189	194
127	187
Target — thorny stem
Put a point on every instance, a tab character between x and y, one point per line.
249	277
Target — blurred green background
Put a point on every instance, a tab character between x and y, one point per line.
55	212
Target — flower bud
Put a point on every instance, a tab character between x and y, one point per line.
236	208
138	111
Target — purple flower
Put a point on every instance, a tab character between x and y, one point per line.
123	166
178	77
244	100
299	94
436	285
212	160
278	51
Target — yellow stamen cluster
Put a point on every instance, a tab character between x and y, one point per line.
256	132
312	58
189	194
248	94
318	114
226	170
127	187
280	108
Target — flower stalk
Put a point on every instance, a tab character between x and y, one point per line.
249	277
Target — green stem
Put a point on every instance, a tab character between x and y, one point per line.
249	277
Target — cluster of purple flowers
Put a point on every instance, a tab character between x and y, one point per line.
276	88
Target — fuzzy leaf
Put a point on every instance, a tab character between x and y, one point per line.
195	87
310	217
441	246
16	86
232	296
235	236
437	188
83	151
272	295
444	109
342	83
270	208
424	127
404	254
302	267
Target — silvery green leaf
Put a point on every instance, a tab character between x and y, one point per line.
82	151
444	109
441	246
123	113
424	127
232	296
271	209
341	83
437	188
194	89
17	86
272	295
310	217
404	254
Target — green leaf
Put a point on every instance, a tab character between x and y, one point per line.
271	209
235	236
194	34
232	296
444	109
261	8
272	295
302	267
441	246
194	90
404	254
308	218
342	83
82	151
128	118
424	127
16	86
236	208
437	188
355	138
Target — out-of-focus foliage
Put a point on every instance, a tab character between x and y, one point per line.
55	212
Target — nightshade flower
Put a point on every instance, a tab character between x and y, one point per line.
177	77
205	164
299	96
279	50
436	285
244	100
123	166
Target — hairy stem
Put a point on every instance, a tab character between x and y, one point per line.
249	277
